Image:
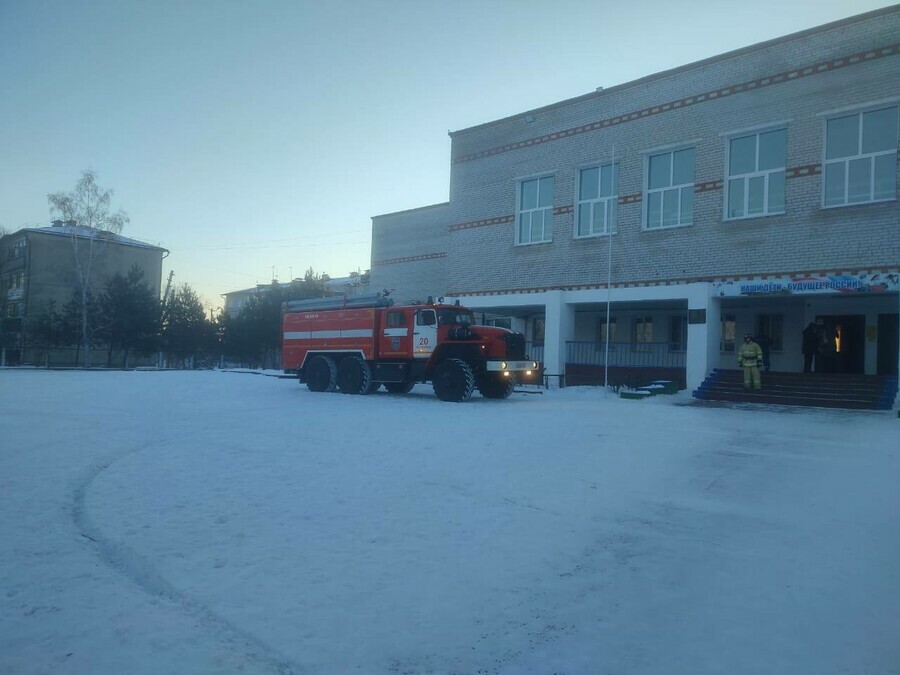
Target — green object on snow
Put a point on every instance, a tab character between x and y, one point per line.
668	387
636	395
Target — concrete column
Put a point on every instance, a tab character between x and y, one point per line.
559	327
703	338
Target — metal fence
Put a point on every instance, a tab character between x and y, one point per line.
628	354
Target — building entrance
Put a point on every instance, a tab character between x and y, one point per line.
842	344
888	344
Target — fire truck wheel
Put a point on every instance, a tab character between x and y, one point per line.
400	387
321	374
354	376
497	387
453	381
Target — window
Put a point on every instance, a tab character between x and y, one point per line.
605	332
598	190
396	319
12	285
535	215
861	157
17	250
756	174
426	317
538	331
450	317
678	333
729	326
771	326
643	333
670	189
500	322
12	310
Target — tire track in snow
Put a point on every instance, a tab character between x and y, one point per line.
128	562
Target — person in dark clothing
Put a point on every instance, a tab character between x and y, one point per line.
810	346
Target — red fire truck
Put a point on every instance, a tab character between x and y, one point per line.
355	345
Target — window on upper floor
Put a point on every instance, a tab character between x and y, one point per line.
534	217
670	189
12	310
598	194
861	157
17	250
755	184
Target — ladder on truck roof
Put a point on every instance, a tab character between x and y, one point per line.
337	302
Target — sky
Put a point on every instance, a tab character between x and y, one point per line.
257	140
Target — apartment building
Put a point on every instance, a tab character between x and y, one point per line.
37	266
652	224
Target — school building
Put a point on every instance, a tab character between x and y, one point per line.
645	228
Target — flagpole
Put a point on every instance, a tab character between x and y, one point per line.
609	265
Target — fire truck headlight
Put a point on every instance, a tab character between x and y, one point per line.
503	365
506	373
528	372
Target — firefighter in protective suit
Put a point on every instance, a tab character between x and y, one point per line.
750	358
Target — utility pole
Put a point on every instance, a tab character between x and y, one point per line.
165	296
163	308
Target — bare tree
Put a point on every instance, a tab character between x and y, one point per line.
89	222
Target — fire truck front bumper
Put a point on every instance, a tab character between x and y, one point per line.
508	367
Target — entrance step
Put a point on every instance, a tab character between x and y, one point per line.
860	392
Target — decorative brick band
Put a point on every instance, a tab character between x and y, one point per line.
675	281
412	258
631	199
563	210
803	171
751	85
709	186
482	223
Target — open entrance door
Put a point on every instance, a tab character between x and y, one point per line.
842	344
888	344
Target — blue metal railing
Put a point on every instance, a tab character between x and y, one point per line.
629	354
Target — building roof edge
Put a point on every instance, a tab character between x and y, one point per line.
66	231
418	208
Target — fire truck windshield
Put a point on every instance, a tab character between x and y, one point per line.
455	316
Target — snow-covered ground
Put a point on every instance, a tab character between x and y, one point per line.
210	522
